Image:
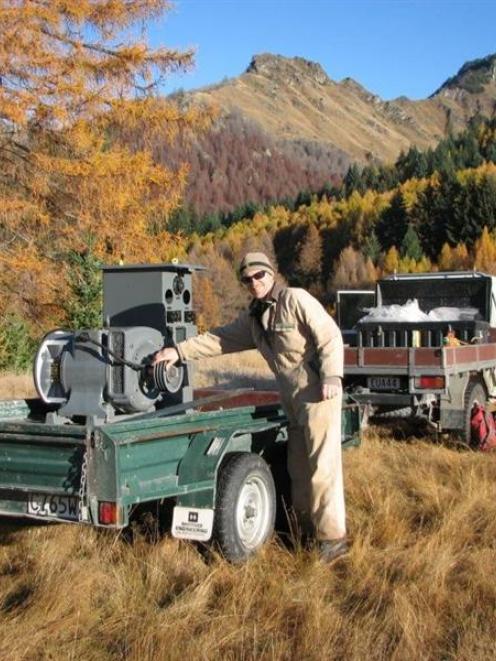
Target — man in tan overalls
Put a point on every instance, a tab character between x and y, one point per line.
304	348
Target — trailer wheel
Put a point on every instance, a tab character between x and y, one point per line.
475	392
245	505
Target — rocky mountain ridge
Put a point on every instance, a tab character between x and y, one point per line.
315	126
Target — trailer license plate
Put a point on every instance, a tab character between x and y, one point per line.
57	507
192	523
383	383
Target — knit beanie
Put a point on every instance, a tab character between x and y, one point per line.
255	261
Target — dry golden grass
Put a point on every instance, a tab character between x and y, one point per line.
247	369
418	583
16	386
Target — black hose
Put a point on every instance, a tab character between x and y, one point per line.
85	338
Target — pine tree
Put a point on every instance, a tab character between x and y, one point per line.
474	207
413	164
393	223
83	306
353	181
410	246
432	213
372	247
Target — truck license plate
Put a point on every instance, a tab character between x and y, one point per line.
383	383
192	523
57	507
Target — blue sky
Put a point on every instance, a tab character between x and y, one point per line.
391	47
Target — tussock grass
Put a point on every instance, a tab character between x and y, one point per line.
245	370
16	386
418	583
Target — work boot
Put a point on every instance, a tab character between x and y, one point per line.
330	550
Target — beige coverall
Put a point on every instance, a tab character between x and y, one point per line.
304	348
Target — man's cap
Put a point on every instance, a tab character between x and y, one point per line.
255	261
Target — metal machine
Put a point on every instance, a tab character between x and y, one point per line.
97	374
110	435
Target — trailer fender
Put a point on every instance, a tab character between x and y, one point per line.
200	465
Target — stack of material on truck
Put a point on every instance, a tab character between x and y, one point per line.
418	312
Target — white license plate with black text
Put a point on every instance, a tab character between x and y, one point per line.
383	383
51	506
192	523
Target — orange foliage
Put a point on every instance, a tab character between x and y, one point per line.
207	304
353	270
78	80
391	260
454	259
485	252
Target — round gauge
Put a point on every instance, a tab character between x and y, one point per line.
178	285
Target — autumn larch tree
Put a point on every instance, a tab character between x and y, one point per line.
79	113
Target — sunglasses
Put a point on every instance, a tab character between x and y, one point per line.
246	279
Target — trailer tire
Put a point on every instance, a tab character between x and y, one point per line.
245	505
475	392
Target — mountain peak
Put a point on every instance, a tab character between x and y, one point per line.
472	77
287	68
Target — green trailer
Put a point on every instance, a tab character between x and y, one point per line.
111	432
216	467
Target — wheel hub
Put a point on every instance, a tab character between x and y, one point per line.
252	512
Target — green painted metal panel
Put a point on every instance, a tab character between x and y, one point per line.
17	507
149	428
138	459
350	425
149	470
14	408
40	465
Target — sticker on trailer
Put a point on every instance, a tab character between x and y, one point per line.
192	523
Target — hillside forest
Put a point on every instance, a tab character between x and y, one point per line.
83	183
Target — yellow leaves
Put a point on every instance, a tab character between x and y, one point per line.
410	265
476	174
77	158
353	270
454	259
485	252
23	269
391	260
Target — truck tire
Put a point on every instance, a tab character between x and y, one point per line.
475	392
245	506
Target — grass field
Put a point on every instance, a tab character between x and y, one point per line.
418	583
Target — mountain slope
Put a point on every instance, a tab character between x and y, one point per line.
292	98
317	126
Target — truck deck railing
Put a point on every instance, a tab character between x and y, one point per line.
401	360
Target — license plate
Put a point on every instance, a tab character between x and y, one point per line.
383	383
192	523
56	507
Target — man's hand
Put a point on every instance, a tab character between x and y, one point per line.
167	355
331	390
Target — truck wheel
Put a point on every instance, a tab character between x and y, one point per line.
475	393
245	505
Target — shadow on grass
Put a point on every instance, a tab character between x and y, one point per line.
9	526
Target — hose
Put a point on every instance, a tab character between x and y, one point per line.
86	339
